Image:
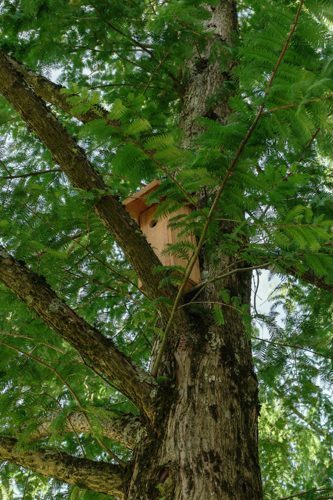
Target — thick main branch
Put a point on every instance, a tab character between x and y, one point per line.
74	163
102	353
96	476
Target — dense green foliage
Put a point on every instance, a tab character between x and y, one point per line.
129	58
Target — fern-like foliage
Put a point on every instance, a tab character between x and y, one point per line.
127	59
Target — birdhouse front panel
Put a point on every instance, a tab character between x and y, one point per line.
159	234
158	231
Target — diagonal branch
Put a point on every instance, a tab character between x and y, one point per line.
54	94
311	278
308	277
97	476
291	346
125	429
74	163
102	353
58	96
287	402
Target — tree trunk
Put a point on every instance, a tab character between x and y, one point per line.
206	442
205	446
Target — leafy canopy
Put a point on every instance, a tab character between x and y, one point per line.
128	58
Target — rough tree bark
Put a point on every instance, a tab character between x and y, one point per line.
201	440
206	445
127	429
92	475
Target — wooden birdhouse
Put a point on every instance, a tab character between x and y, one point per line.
158	232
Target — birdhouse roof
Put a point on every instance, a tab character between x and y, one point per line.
136	203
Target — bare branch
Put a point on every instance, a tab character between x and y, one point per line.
126	429
102	353
97	476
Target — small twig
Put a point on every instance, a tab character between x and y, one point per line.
136	43
255	293
161	62
293	346
292	105
134	84
225	275
31	174
305	493
299	414
170	176
134	63
16	335
214	302
110	268
308	144
3	164
176	183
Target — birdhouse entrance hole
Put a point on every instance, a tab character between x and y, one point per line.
158	231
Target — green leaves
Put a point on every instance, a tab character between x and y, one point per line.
301	229
133	163
218	315
137	127
118	110
131	58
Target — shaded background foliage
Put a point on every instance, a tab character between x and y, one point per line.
129	58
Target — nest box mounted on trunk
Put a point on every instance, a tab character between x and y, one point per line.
158	232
